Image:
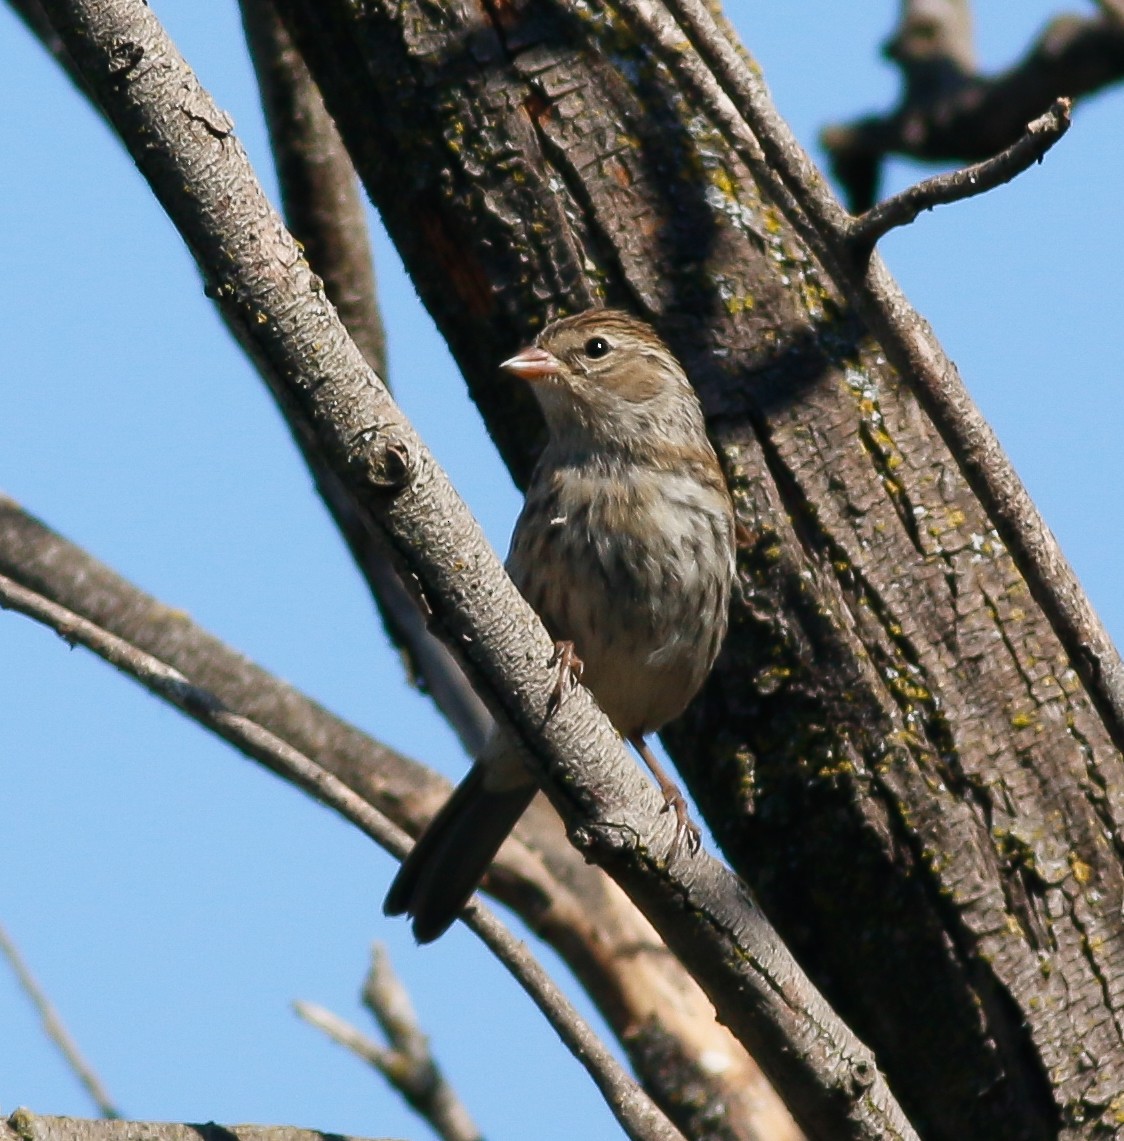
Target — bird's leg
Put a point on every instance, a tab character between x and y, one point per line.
570	668
685	827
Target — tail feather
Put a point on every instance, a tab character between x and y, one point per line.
451	856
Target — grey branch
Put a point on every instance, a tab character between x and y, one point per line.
23	1125
418	1080
949	112
185	147
660	1016
637	1115
319	189
406	1061
54	1028
324	211
900	210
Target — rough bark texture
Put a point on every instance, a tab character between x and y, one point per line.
894	750
23	1125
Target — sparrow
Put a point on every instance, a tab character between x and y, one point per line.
625	548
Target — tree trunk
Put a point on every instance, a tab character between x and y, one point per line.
899	750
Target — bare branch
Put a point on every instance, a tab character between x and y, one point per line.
23	1125
661	1017
615	1085
903	208
198	703
636	1113
406	1062
319	190
950	113
386	998
324	211
415	1084
340	1031
55	1030
321	195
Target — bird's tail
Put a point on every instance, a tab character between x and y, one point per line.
451	856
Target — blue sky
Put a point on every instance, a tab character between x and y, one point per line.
172	898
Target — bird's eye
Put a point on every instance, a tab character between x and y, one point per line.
597	347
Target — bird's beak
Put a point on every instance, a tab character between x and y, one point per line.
533	364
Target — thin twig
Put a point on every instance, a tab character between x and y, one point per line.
388	1001
418	1080
634	1110
55	1030
340	1031
950	112
901	209
616	1087
406	1061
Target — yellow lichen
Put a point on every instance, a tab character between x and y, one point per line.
1082	872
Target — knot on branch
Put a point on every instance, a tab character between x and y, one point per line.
125	55
383	461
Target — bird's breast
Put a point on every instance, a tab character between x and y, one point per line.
634	568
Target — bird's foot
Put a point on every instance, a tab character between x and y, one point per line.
686	830
570	668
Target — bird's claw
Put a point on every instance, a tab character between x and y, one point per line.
685	828
570	668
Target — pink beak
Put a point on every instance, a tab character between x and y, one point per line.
533	364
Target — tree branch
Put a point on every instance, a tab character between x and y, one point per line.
23	1125
950	113
54	1028
319	190
637	1115
914	352
324	211
416	1079
890	687
179	141
660	1016
406	1061
864	232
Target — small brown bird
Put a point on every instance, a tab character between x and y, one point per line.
625	548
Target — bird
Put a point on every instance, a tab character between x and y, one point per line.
625	548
